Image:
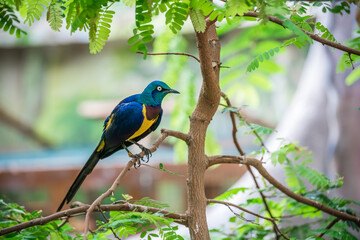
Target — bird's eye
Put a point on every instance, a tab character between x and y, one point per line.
159	88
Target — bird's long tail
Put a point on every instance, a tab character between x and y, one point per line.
86	170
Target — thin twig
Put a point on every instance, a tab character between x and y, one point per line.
234	128
107	220
312	35
333	222
241	152
351	61
171	53
232	115
298	214
63	222
252	213
241	217
162	169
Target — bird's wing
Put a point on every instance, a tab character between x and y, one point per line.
110	151
151	129
123	122
130	99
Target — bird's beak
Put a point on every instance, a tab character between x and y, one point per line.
172	91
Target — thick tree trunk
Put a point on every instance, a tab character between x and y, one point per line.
209	98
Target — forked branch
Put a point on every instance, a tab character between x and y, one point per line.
259	166
272	220
242	153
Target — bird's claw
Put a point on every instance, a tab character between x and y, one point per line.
138	158
147	152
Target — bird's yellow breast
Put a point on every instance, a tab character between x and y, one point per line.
146	124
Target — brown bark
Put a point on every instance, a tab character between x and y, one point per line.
209	98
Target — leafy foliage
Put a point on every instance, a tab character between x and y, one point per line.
143	31
35	8
130	223
287	209
260	58
229	193
100	31
340	8
8	19
55	15
295	160
176	15
12	214
198	20
121	223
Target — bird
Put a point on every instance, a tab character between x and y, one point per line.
130	121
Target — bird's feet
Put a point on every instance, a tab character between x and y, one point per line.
147	151
138	160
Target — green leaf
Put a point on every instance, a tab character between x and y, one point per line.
230	193
129	3
266	55
35	9
146	201
278	156
295	29
314	177
261	59
8	20
213	15
55	16
353	76
127	197
100	30
198	20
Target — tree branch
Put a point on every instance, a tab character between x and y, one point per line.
333	222
241	152
258	165
272	220
176	134
312	35
171	53
82	209
107	220
110	191
233	121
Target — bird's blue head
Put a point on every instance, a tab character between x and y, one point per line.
155	92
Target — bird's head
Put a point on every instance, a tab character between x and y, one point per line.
155	92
